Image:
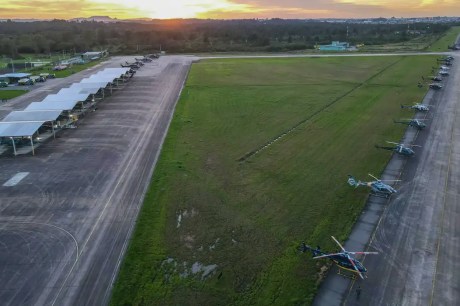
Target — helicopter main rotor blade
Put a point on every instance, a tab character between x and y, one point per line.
355	267
363	253
343	249
328	255
373	177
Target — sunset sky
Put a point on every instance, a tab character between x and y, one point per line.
227	9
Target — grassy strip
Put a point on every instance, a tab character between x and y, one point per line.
205	207
445	41
419	43
10	94
64	73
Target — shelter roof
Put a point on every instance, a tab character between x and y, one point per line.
52	105
19	129
38	115
18	75
67	96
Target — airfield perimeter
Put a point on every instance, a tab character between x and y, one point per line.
65	226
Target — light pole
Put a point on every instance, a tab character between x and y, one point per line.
12	64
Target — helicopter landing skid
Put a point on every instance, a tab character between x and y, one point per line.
346	273
380	195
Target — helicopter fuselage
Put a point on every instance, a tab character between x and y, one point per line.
340	260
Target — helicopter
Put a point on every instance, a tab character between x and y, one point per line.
443	72
399	148
435	86
378	187
416	123
342	259
417	107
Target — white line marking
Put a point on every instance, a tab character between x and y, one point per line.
16	179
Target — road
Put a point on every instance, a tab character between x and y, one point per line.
417	235
64	227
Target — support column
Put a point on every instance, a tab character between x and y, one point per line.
14	146
52	129
32	144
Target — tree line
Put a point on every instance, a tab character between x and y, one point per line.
194	35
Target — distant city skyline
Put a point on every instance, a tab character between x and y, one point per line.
227	9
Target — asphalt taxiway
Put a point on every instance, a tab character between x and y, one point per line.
67	213
416	232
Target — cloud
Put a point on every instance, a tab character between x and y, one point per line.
63	9
228	8
356	8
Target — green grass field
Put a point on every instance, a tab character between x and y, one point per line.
419	43
445	41
215	230
66	72
47	68
10	94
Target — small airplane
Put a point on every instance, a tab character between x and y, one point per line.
416	123
378	187
342	259
399	148
418	107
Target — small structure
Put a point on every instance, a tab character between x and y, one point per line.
335	46
13	78
72	61
93	55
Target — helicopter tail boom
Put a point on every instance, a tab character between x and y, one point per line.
315	252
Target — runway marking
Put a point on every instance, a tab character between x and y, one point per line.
18	177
